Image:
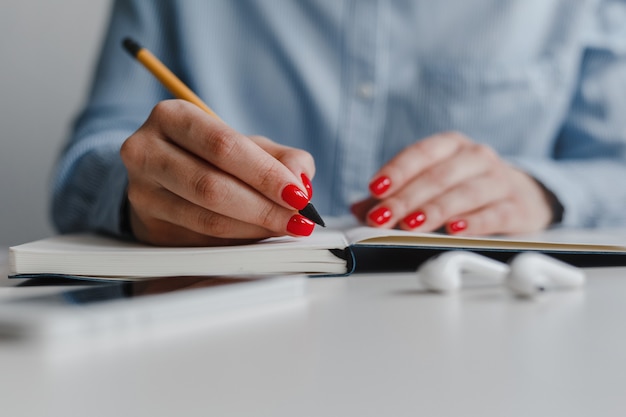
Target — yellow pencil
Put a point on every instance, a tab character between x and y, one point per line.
165	76
181	91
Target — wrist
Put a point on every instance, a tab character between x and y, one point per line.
556	208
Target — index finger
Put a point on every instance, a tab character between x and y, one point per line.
298	161
212	140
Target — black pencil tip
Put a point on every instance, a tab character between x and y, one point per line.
131	46
310	213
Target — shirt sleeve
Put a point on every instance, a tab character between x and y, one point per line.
588	168
89	183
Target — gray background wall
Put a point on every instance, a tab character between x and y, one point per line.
47	52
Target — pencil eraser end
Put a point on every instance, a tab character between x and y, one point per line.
131	46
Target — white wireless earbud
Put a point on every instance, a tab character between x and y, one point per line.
532	273
528	273
443	272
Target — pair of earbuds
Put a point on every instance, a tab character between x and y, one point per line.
527	274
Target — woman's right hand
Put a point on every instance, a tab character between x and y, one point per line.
192	180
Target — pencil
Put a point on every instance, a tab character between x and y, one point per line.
181	91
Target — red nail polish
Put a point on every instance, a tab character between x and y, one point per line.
414	220
300	226
295	197
457	226
380	185
380	216
307	185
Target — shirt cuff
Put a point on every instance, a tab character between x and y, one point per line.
110	201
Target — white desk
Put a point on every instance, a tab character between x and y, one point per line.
361	346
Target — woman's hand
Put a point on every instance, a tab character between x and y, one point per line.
448	181
195	181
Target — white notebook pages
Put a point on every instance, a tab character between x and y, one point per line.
329	251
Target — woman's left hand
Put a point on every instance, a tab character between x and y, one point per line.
447	180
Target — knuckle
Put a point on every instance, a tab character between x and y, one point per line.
173	106
474	192
436	212
267	216
268	174
428	150
303	157
165	109
211	224
132	152
457	136
438	177
176	113
399	206
221	143
205	186
159	110
469	195
291	156
485	151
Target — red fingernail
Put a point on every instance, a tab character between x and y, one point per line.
300	226
380	216
307	185
414	220
380	185
457	226
295	197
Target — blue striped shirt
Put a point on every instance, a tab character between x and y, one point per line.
355	81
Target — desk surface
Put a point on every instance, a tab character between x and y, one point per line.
367	345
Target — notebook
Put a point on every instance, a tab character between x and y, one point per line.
331	251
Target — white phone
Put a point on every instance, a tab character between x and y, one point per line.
124	306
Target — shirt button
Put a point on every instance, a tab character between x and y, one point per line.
366	90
